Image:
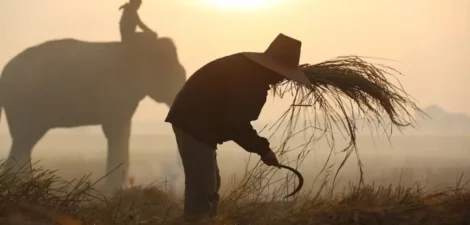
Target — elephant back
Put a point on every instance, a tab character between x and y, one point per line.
67	67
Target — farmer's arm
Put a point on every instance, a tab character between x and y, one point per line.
247	137
242	108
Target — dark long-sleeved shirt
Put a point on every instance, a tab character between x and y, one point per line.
219	101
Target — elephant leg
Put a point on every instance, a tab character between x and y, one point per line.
117	166
24	140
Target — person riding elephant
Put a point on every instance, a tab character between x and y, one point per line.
135	43
130	20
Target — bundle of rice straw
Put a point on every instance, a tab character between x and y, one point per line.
338	85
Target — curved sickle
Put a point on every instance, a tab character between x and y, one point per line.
301	179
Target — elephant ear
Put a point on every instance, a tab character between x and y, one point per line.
143	45
165	51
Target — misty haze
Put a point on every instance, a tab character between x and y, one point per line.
435	153
428	41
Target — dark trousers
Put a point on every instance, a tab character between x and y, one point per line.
132	37
202	179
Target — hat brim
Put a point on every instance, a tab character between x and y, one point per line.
264	60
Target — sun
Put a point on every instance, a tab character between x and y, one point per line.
240	4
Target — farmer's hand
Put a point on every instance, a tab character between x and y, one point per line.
270	159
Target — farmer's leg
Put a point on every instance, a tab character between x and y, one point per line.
199	163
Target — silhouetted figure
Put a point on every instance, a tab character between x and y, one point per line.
216	105
130	20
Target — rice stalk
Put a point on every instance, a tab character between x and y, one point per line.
345	91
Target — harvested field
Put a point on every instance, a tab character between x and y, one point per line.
47	199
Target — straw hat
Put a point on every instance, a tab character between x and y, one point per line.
282	56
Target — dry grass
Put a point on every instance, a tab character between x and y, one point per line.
46	199
345	92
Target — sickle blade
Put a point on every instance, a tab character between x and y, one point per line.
299	176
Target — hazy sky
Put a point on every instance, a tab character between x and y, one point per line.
430	38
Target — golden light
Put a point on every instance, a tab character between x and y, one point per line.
241	4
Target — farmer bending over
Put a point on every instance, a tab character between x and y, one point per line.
216	105
130	20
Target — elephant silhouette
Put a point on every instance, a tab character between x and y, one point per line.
66	83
